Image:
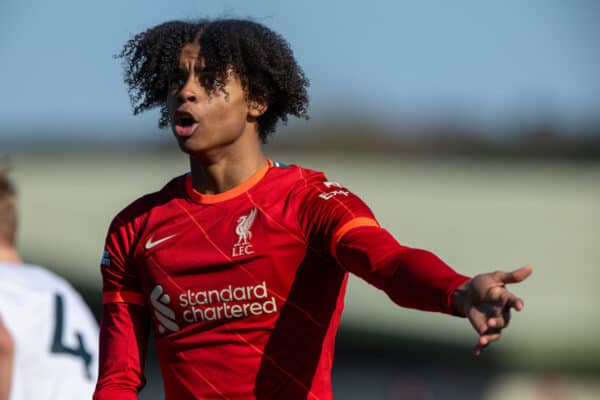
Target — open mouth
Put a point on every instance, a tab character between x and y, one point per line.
184	123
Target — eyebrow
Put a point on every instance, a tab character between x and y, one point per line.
197	68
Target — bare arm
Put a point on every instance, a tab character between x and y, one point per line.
6	361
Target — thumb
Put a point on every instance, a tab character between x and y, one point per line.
515	276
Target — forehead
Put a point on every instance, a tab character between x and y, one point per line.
189	54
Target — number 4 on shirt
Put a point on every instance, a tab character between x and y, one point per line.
57	344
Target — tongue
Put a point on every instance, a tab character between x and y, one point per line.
185	130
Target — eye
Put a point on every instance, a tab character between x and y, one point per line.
177	82
205	79
208	78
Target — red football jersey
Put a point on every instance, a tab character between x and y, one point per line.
244	289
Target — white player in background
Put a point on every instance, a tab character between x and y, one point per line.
48	336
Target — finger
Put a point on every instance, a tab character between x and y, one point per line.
498	322
501	321
478	319
517	303
509	300
515	276
500	316
478	349
484	341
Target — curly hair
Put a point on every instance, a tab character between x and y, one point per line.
261	58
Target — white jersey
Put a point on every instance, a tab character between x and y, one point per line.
55	335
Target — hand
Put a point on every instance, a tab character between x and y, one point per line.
486	302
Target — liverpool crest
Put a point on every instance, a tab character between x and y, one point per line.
243	246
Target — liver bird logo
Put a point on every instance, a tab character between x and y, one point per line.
244	223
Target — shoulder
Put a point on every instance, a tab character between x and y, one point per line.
24	286
143	205
302	184
33	277
295	176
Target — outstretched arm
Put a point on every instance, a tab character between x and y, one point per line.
418	279
336	221
411	277
487	303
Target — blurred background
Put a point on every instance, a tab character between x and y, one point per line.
471	129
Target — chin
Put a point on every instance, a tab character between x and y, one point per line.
192	147
187	148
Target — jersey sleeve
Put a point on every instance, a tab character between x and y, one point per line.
411	277
336	221
124	325
326	211
120	283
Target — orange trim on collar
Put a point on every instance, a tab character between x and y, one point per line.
228	194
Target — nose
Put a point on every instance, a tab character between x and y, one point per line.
186	96
188	93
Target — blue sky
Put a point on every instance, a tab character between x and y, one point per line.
490	62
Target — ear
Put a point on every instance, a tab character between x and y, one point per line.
257	107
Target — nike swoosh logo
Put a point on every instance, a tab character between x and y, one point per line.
150	244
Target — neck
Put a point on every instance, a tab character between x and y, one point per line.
223	169
9	254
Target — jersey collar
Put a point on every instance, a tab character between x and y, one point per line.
243	187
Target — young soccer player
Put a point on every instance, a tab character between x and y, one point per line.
48	336
240	266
